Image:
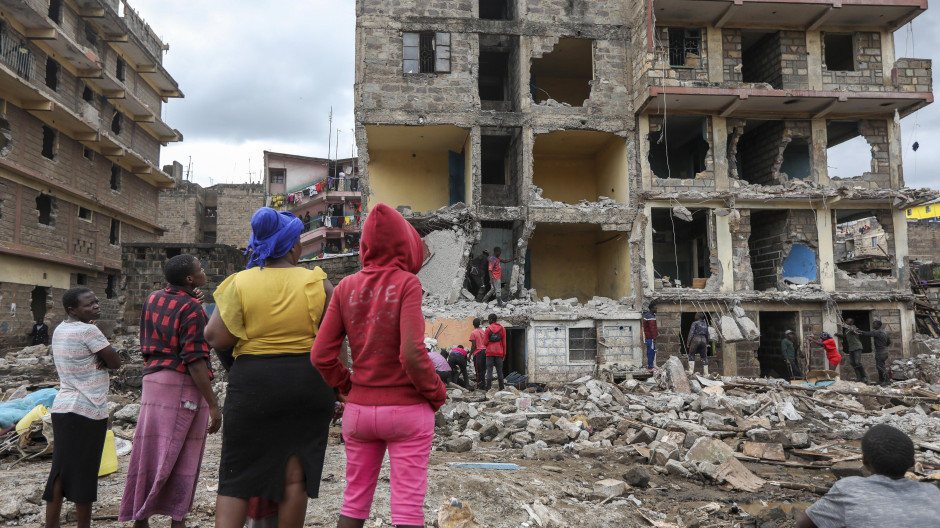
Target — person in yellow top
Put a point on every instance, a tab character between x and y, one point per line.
278	408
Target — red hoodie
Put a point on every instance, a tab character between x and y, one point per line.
379	309
495	348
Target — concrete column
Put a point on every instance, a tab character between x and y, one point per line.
887	56
720	152
648	246
729	359
644	144
725	252
908	327
716	61
895	170
814	59
827	276
819	157
901	249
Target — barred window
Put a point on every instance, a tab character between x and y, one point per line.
685	47
582	344
426	52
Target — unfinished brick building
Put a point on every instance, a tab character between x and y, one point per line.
81	89
667	151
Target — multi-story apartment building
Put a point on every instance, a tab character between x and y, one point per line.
324	193
81	89
627	153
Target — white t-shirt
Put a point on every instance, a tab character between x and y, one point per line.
83	386
877	502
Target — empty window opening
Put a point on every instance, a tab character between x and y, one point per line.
53	72
762	58
495	10
848	153
45	204
278	175
582	344
503	235
421	167
602	267
117	122
795	163
55	11
494	77
39	299
120	69
839	51
426	52
494	159
499	166
773	328
678	146
91	36
770	152
863	241
685	47
6	136
88	154
862	320
565	74
115	178
84	213
681	249
114	235
112	288
81	279
574	165
87	94
49	142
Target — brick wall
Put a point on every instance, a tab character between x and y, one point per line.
731	55
765	61
580	11
181	212
869	72
740	249
913	75
236	204
417	8
336	268
923	239
761	150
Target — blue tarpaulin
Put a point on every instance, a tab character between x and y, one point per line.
484	465
13	411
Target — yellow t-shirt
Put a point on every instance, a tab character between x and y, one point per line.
272	310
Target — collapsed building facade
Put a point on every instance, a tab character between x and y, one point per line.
629	153
81	90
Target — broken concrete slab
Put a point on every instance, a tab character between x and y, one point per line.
709	450
675	376
610	487
444	271
767	451
733	473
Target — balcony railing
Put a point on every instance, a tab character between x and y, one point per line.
306	193
17	56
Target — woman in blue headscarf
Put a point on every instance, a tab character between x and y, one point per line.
277	408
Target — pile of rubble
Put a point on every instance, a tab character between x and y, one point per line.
923	367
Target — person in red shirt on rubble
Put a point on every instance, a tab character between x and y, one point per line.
495	339
394	390
477	348
832	350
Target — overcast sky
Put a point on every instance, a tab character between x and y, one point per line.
263	75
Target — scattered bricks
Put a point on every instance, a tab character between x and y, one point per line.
459	445
763	435
637	477
610	487
674	467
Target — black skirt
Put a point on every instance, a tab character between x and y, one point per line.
276	406
76	456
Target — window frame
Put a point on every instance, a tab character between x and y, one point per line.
114	240
89	217
584	352
687	37
854	50
278	176
415	43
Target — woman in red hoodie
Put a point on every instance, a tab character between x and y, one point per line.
394	391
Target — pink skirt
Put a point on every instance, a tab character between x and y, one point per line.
168	447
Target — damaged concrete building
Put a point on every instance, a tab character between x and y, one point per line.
627	153
81	90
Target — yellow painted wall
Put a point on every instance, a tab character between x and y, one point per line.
614	279
921	212
19	270
468	171
564	263
418	179
571	91
455	332
612	171
567	180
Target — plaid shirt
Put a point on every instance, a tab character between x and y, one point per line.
171	330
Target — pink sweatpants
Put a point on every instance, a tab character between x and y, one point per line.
406	431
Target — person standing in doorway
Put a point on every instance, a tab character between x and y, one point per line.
650	333
80	411
882	342
495	351
853	343
496	275
790	350
478	349
481	264
698	343
39	334
307	225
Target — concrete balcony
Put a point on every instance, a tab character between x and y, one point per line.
33	16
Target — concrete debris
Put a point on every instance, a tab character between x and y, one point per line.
129	413
674	376
729	329
924	367
443	271
682	213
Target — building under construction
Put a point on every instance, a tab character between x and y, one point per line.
627	153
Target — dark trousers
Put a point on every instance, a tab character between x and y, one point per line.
493	361
458	366
792	370
698	347
881	358
445	376
479	363
855	358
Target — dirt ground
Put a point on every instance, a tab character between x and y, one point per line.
498	497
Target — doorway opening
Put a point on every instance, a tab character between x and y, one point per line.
773	327
515	351
38	302
861	319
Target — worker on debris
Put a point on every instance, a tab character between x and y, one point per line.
478	346
457	359
853	343
80	411
833	356
882	342
698	343
269	313
393	392
178	406
495	351
650	333
441	366
496	275
480	264
885	497
790	350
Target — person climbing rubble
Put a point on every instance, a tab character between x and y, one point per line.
496	275
886	497
478	348
833	356
441	366
650	333
698	343
457	359
495	351
853	343
882	342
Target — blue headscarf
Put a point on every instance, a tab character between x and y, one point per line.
273	234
